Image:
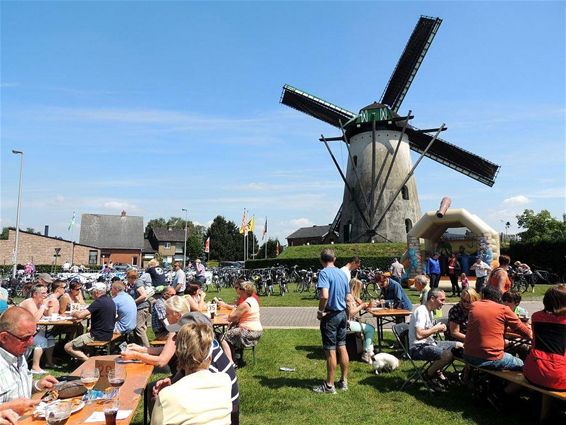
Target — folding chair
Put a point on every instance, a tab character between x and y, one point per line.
401	332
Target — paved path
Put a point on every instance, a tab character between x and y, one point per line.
305	317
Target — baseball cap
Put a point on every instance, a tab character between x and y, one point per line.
192	317
46	277
98	286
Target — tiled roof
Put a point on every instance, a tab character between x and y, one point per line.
310	232
163	234
112	231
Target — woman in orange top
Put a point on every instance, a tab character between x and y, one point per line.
499	278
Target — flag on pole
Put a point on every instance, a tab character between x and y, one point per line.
251	224
277	249
207	245
264	230
244	226
72	223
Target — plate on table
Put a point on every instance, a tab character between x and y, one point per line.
76	403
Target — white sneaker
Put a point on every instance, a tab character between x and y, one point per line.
366	357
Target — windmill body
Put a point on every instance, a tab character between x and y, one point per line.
380	201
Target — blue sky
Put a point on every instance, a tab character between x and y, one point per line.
156	106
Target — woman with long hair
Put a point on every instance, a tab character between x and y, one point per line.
354	325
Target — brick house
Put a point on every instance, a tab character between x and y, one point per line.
119	237
40	249
167	242
315	235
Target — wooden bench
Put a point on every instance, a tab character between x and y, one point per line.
517	378
97	345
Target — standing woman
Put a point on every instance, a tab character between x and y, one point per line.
136	289
499	277
247	329
453	273
366	329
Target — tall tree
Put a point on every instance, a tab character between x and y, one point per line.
226	242
541	226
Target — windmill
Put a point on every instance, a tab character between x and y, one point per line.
380	200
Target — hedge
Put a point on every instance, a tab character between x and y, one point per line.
377	255
547	255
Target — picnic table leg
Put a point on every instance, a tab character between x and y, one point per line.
545	404
145	391
379	333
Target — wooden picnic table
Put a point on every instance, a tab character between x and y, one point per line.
384	316
137	377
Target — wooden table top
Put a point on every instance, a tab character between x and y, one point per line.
58	322
131	392
384	312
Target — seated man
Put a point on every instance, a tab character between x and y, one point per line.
392	291
484	344
103	318
422	345
17	328
126	309
159	314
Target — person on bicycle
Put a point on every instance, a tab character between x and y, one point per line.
526	271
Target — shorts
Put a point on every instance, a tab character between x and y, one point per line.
242	338
430	352
43	340
507	362
81	341
333	328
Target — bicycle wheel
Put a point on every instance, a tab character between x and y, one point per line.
373	290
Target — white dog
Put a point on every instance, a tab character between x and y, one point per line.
383	362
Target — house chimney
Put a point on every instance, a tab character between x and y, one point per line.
46	231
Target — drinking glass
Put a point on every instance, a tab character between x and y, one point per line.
89	378
116	378
111	408
58	413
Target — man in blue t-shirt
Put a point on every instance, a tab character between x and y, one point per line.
334	297
102	313
126	309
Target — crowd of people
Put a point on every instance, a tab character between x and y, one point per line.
481	328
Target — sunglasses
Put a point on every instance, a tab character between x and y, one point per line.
22	338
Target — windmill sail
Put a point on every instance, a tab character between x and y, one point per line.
314	106
410	61
452	156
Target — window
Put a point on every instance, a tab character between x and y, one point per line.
347	231
355	157
135	260
167	245
405	193
408	225
93	256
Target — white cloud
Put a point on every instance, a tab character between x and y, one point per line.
119	206
556	192
301	222
515	201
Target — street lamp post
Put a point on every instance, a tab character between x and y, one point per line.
15	152
185	244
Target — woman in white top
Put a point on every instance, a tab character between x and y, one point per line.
246	327
201	396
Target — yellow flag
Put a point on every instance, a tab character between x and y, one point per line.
251	224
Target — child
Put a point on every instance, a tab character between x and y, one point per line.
464	281
512	300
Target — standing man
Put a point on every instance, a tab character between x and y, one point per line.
433	268
126	310
136	289
17	328
352	265
397	270
482	270
334	297
180	279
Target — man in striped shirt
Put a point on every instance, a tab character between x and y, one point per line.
17	329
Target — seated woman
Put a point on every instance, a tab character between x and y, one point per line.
195	297
356	326
175	308
201	396
40	307
545	364
74	296
240	297
247	328
458	315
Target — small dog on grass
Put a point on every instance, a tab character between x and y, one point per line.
383	362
